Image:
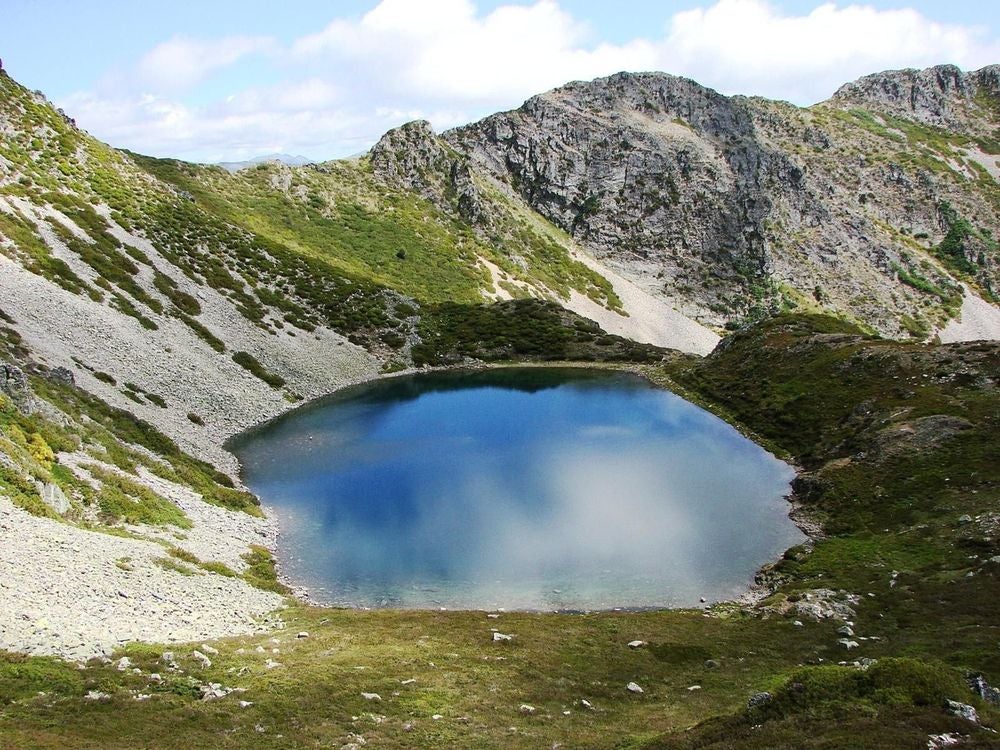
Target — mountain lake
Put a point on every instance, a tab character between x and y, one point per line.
528	488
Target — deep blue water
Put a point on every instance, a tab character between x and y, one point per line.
531	488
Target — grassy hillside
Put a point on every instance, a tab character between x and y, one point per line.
320	246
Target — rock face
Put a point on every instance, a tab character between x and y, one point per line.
735	206
942	96
14	384
657	173
412	157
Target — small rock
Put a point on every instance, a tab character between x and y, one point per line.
759	699
303	634
938	741
502	637
246	704
636	644
634	688
123	664
214	690
202	659
711	664
964	519
526	709
371	696
798	623
271	664
692	688
209	650
408	682
96	695
984	690
848	644
587	705
845	630
437	717
53	496
963	711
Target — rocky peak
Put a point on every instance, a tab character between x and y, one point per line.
941	96
414	158
659	96
403	152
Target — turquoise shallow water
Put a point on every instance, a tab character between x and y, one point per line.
532	488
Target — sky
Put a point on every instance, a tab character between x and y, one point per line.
232	79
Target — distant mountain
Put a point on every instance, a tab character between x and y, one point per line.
287	159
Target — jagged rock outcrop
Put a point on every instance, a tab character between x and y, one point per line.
14	384
412	157
942	96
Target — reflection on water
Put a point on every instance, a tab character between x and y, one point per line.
521	488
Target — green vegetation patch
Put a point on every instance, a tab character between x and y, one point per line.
248	362
125	500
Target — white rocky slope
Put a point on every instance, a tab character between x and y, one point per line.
78	594
172	361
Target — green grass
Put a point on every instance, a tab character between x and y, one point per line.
121	499
262	571
526	329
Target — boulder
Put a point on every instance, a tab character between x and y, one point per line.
14	384
53	496
963	711
759	699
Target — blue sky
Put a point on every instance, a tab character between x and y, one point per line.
227	79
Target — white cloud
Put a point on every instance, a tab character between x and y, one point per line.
750	47
445	61
443	50
180	63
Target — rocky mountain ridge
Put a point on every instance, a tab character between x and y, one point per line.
737	206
